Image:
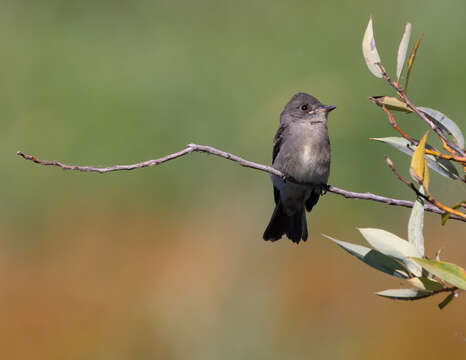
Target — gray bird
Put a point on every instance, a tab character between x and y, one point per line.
302	152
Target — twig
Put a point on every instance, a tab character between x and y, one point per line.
445	289
461	160
187	150
213	151
105	170
403	95
386	200
393	123
453	152
426	196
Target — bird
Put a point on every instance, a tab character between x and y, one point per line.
301	152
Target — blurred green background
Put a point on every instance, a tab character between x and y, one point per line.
168	262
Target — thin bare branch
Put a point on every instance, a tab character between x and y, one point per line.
187	150
394	124
213	151
387	200
105	170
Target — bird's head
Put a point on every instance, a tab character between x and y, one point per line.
305	107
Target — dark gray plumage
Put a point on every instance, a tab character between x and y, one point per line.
301	151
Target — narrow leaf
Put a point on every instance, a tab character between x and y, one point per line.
390	102
426	176
449	272
373	258
369	51
402	50
446	301
404	294
411	62
441	166
416	224
445	124
391	245
424	283
416	169
446	216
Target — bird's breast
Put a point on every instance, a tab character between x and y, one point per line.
313	158
305	155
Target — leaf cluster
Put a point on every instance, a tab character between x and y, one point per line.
389	253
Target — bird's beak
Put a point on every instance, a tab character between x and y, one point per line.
323	109
328	108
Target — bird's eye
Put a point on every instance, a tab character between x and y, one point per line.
304	107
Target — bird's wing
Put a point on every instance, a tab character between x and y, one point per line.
277	141
312	200
276	195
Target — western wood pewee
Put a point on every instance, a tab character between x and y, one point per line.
302	152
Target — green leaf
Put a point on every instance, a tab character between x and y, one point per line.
448	272
447	215
416	224
390	102
446	301
402	50
369	51
445	124
424	283
391	245
373	258
404	294
441	166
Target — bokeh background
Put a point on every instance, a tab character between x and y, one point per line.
168	262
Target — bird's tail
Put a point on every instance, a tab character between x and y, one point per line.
294	226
